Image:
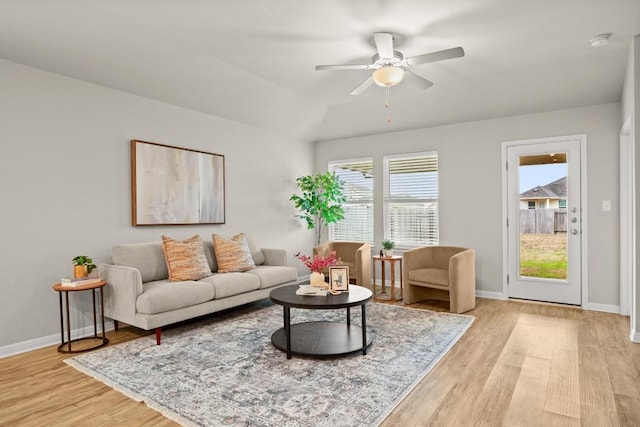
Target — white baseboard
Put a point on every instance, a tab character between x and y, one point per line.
606	308
37	343
635	336
490	294
24	346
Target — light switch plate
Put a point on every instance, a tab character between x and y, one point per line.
606	205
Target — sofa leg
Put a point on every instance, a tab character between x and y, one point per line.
116	325
158	334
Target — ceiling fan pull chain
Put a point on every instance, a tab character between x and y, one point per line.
386	104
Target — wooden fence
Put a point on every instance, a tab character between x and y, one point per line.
543	221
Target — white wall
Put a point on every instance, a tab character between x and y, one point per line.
469	157
65	185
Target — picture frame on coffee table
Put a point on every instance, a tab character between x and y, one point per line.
339	278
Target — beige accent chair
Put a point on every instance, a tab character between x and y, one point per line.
444	273
355	255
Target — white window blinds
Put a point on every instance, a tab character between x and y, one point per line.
411	199
357	225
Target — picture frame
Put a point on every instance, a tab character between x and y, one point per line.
339	278
175	186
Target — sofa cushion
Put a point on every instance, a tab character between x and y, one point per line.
163	295
234	283
147	257
185	259
434	276
272	276
232	254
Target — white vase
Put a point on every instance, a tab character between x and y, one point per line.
388	253
316	279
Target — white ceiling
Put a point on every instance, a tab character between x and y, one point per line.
252	61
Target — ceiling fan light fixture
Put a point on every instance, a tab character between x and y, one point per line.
600	40
388	76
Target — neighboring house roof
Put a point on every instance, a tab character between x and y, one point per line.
554	190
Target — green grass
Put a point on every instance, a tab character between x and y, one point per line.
543	256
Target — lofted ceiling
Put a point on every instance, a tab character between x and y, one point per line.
253	61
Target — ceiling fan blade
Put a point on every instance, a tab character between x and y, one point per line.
363	86
345	67
441	55
384	44
416	80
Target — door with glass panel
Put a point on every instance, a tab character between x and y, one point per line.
544	221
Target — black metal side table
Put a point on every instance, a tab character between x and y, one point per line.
65	346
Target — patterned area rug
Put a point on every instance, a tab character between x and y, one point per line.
224	370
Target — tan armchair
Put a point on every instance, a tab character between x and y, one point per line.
443	273
355	255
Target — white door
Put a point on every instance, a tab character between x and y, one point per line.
544	220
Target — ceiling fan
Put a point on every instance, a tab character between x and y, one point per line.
390	66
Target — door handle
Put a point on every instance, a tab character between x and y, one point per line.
574	220
574	231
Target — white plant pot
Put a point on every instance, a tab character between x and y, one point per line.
388	253
316	279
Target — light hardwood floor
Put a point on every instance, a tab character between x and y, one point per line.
520	364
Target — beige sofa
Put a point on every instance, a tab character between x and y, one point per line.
442	273
355	255
139	293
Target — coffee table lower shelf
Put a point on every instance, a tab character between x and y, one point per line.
321	339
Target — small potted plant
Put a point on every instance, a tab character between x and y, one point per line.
387	246
82	266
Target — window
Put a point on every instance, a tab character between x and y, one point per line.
531	204
411	199
357	225
562	203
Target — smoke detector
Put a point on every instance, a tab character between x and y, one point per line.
600	40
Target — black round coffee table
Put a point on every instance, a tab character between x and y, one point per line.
321	338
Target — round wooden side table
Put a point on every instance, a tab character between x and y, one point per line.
65	346
392	263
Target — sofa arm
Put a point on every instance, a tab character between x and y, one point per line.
124	284
275	257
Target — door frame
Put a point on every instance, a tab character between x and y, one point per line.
627	218
582	138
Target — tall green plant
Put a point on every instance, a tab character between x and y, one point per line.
321	201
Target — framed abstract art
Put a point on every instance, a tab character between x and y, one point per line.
175	186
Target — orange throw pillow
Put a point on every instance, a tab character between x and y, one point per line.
233	254
185	259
